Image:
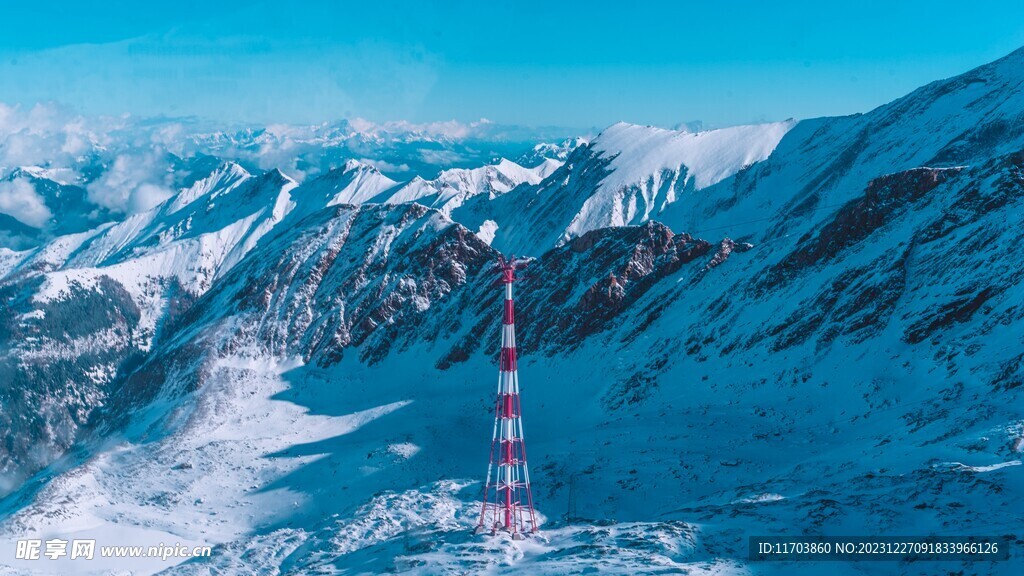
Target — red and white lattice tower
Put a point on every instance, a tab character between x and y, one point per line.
508	502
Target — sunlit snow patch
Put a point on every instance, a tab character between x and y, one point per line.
404	449
990	468
487	231
760	498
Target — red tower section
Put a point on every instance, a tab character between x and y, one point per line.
508	502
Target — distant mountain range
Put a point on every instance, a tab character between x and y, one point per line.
118	167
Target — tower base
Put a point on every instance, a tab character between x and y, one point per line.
483	530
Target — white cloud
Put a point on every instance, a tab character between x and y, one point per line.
147	196
133	183
452	129
441	157
46	135
172	137
385	166
20	200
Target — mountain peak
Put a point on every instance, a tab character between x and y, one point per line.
62	176
352	165
551	151
355	182
709	157
225	176
276	175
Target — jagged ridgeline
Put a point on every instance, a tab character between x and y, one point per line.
793	326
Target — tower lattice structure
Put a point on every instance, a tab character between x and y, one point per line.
508	501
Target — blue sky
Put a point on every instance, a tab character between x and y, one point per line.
564	63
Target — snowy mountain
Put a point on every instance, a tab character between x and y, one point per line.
824	162
551	151
401	149
627	175
93	170
85	304
361	183
355	183
36	205
452	188
298	374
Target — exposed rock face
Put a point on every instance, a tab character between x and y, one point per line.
884	198
58	364
380	278
858	302
618	266
959	310
355	276
725	248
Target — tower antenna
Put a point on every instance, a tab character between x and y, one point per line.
508	500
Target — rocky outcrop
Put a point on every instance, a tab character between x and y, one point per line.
857	303
726	247
884	198
959	310
591	280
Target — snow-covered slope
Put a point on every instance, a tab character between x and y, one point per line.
192	237
361	183
81	306
355	183
627	175
551	151
650	167
637	152
822	163
453	187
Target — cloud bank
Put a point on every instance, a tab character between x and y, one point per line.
19	199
